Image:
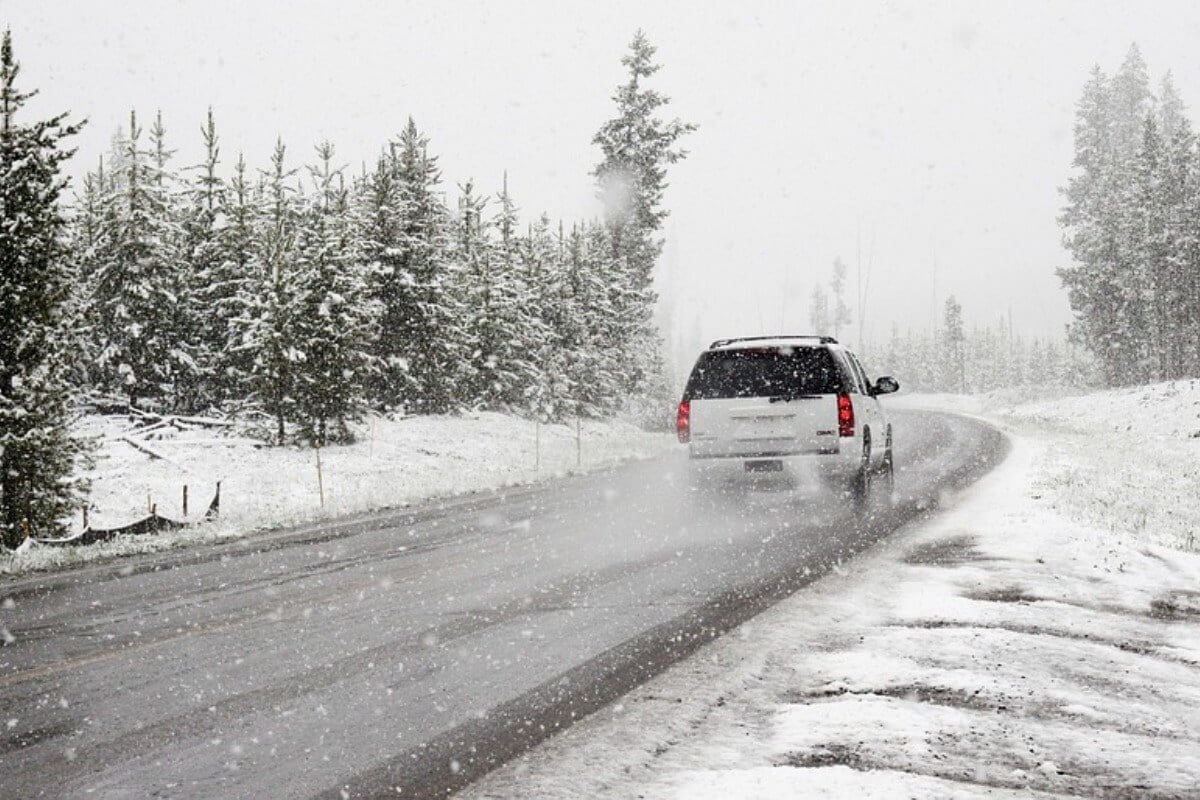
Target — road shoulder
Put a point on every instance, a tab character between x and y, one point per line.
1002	649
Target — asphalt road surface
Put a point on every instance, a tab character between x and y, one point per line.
408	652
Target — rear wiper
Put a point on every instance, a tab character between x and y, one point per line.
787	398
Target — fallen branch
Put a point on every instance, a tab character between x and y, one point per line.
143	449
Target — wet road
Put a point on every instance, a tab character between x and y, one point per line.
415	649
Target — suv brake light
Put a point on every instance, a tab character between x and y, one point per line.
845	415
683	422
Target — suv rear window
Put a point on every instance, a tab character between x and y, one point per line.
764	372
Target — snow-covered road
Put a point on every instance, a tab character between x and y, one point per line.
1008	648
413	649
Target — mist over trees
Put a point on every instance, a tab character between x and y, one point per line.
955	358
1132	225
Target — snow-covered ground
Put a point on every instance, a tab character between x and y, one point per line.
395	462
1039	637
1126	460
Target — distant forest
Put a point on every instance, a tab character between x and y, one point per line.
953	357
979	359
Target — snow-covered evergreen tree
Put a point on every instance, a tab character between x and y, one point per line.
210	284
84	238
953	348
1091	230
593	386
637	146
550	396
333	319
818	311
265	329
839	312
500	325
1131	228
37	450
1178	300
380	232
242	277
141	343
419	343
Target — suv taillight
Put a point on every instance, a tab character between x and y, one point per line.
683	422
845	415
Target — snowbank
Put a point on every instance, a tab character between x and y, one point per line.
396	462
1010	648
1169	409
1126	461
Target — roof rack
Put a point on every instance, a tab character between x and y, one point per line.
723	342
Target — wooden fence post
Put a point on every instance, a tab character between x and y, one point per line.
185	500
320	477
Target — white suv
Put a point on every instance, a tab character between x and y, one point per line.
796	404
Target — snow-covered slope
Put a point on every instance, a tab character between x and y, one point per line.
393	463
1126	460
1170	410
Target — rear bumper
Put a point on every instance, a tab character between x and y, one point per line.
804	467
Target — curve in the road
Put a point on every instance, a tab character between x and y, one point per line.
411	649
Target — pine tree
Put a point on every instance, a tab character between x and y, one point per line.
85	237
211	283
613	317
1144	281
953	356
1130	104
333	322
136	286
1179	190
593	387
637	147
1172	114
1187	256
419	344
1130	226
380	221
474	289
184	369
840	312
518	327
818	311
37	450
550	395
500	324
242	278
265	330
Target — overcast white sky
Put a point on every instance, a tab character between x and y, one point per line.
940	131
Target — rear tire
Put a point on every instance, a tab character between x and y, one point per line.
862	484
887	473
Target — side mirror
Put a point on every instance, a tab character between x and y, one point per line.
885	385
